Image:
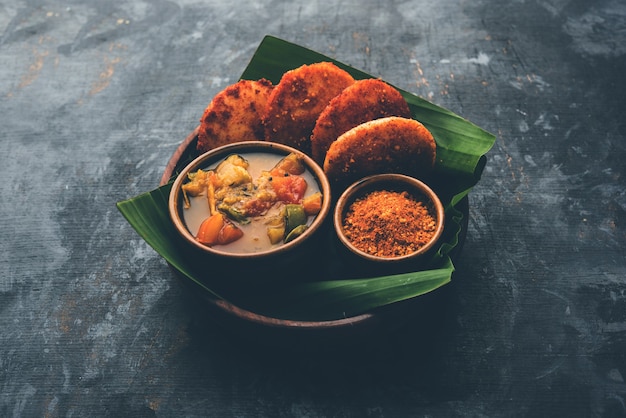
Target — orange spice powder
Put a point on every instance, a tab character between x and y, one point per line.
389	224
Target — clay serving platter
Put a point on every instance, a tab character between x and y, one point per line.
271	330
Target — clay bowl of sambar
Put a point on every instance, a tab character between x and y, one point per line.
388	223
250	206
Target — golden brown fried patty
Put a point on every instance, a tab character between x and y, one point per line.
387	145
234	115
363	101
297	101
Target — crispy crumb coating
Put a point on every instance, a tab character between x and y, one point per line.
386	145
234	115
298	99
363	101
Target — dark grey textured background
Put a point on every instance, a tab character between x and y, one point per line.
95	97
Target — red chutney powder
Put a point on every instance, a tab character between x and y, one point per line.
389	224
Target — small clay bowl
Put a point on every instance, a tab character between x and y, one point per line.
419	191
265	259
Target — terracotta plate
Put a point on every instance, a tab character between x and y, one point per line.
274	330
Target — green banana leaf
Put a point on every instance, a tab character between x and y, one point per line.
461	149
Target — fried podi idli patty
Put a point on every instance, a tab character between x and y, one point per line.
234	115
361	102
386	145
297	101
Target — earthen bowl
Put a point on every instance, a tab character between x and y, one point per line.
410	258
264	259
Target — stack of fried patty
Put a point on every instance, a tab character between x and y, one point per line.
352	128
